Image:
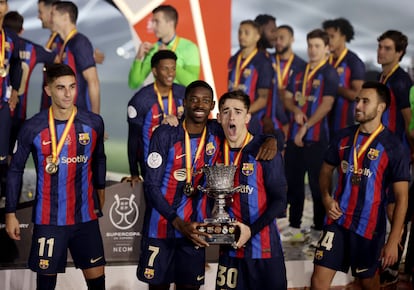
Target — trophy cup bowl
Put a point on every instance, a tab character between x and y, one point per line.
220	186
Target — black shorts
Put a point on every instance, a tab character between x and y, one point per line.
165	261
236	273
50	244
6	122
339	248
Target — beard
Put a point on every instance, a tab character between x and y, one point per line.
283	50
366	117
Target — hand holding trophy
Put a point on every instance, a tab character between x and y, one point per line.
221	227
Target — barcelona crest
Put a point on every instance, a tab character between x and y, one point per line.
247	169
318	255
149	273
316	83
210	149
84	138
373	153
43	264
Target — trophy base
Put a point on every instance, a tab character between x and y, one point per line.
221	233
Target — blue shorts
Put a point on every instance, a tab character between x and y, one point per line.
339	249
237	273
165	261
50	246
5	127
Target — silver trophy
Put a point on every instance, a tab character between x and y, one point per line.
220	186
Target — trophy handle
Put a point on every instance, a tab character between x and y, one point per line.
202	189
237	188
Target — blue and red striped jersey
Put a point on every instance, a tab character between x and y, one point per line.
323	83
30	54
384	163
350	69
68	196
260	200
165	179
79	56
55	44
144	116
257	74
11	64
399	84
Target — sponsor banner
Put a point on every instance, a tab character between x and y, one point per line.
122	222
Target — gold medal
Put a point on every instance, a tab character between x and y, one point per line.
356	179
3	72
188	189
51	168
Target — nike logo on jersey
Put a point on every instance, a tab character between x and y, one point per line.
3	158
93	261
179	156
157	116
199	277
46	142
357	270
344	147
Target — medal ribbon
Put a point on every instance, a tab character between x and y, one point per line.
240	66
62	49
161	103
247	139
385	79
3	49
51	40
52	129
309	75
339	59
188	168
174	46
365	146
281	75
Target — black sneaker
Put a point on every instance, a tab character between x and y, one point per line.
388	277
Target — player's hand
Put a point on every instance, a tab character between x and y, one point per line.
268	149
134	179
143	49
171	120
99	56
245	234
333	210
300	117
190	231
12	226
389	254
14	100
299	136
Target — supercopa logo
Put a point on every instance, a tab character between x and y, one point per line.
124	212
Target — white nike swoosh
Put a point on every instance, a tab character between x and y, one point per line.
344	147
179	156
93	261
3	158
361	270
199	278
157	116
46	142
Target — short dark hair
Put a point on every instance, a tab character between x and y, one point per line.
169	12
318	33
263	19
56	70
400	40
382	91
198	84
13	21
341	24
235	95
162	54
252	23
47	2
287	27
67	7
